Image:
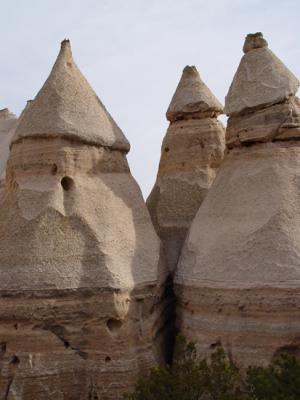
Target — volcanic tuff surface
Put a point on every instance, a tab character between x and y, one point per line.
8	123
67	106
192	98
260	80
79	258
238	279
191	153
85	303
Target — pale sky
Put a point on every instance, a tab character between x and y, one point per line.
133	52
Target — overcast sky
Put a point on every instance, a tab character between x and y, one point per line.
133	52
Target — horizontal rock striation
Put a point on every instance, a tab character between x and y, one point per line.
238	279
81	271
280	121
191	154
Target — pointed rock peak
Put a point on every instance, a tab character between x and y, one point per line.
6	114
67	106
190	70
254	41
65	53
65	44
28	103
192	98
260	80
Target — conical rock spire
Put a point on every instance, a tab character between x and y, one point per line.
238	277
67	106
192	97
260	80
191	154
261	101
79	257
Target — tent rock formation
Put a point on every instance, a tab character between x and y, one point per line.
79	257
238	279
85	307
191	153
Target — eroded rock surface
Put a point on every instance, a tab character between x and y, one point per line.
61	107
8	123
238	279
192	98
260	80
80	262
191	153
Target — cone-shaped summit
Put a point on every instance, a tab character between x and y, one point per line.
191	153
192	96
79	257
67	106
238	277
260	80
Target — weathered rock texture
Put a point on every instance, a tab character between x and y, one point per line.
191	154
8	123
260	80
79	257
238	279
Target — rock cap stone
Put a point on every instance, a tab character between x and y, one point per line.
254	41
67	106
260	80
192	97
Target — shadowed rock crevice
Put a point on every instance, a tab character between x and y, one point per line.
191	154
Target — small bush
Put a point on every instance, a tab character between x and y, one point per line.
218	379
190	379
280	381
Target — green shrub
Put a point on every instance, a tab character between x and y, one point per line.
280	381
191	379
218	379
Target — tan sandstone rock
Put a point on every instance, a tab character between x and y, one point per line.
8	123
191	154
260	80
79	257
192	98
238	279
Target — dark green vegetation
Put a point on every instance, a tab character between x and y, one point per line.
218	379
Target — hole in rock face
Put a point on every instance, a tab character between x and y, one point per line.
167	149
54	169
215	344
114	325
2	348
107	359
67	183
15	360
66	344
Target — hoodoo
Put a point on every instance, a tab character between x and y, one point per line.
191	153
79	257
238	279
8	122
